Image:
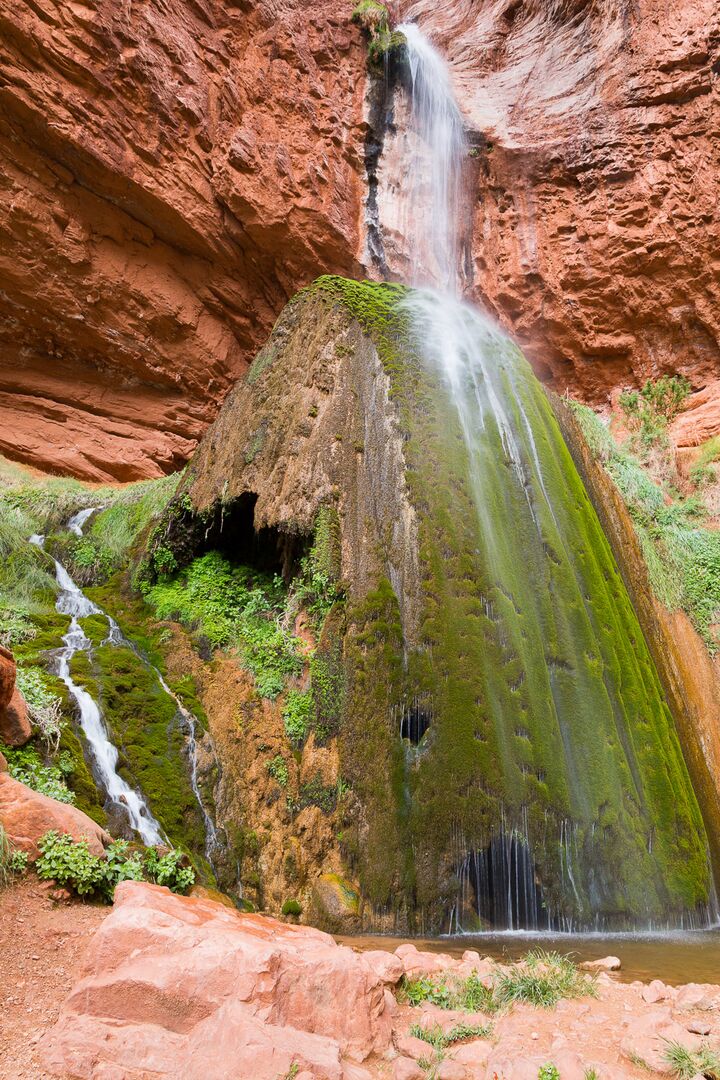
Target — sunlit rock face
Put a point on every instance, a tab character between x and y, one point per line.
593	199
171	173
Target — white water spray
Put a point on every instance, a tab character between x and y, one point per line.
73	602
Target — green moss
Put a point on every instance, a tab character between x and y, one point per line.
374	19
682	555
545	707
144	724
79	778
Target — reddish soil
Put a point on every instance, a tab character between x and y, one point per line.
41	946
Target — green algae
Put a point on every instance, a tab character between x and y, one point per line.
547	711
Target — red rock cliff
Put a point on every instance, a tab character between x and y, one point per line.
172	170
596	222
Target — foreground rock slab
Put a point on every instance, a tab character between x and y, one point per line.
182	987
26	815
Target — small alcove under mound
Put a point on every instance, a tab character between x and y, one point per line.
229	528
501	883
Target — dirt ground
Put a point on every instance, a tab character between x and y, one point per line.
41	947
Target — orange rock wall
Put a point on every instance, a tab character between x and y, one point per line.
596	222
172	170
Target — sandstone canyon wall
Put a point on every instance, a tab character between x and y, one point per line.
173	170
595	221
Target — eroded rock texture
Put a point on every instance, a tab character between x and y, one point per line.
596	230
171	173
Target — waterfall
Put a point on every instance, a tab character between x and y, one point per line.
580	801
73	602
434	171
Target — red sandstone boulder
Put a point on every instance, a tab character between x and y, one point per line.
7	675
15	727
27	815
184	987
14	723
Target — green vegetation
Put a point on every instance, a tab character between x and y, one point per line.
44	705
26	765
291	907
298	713
373	17
440	1039
542	979
278	769
539	688
682	556
549	1072
13	861
701	474
686	1064
71	864
146	728
650	411
233	606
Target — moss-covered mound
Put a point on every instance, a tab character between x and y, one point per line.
500	710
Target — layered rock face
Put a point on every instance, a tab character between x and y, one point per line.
182	986
595	225
171	173
15	727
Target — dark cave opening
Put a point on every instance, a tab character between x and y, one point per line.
506	890
415	721
231	531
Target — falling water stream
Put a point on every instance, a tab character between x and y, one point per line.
73	602
546	585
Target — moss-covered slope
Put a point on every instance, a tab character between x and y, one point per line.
486	613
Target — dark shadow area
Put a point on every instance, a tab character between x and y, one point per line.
231	531
415	722
507	893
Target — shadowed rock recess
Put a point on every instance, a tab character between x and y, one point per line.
502	725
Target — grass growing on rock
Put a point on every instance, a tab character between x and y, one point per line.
681	554
541	979
686	1064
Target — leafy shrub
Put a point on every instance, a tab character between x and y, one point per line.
297	715
649	411
291	907
26	765
170	869
549	1072
278	770
71	864
234	605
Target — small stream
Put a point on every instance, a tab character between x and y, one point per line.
73	602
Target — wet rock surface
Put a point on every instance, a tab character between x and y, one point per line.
184	986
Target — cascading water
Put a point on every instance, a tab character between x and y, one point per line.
569	794
73	602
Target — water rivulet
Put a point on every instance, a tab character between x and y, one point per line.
548	772
127	802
